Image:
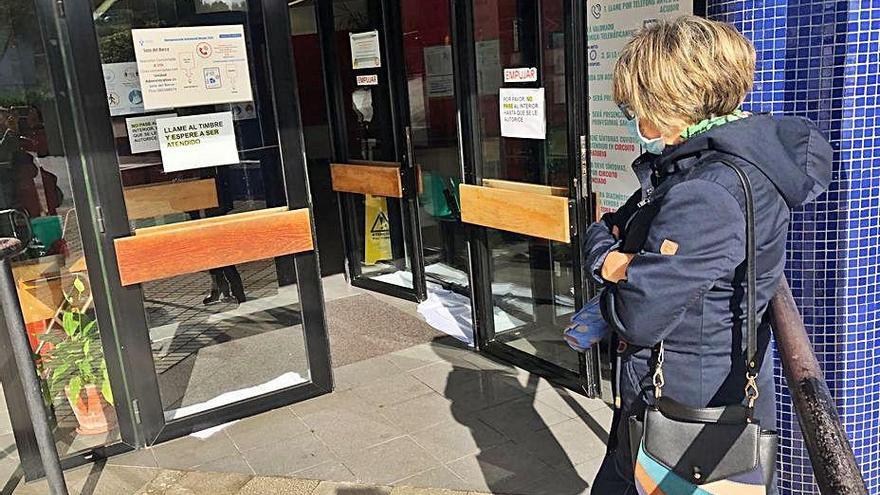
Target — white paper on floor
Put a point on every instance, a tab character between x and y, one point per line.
289	379
209	432
448	312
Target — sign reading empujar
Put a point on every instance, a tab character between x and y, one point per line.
197	141
190	66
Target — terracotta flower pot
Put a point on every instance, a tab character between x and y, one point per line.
94	415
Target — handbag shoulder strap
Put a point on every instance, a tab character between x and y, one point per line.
751	302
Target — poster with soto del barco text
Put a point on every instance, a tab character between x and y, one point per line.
610	24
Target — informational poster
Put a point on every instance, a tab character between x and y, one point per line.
197	141
438	71
610	24
124	95
488	66
523	113
365	50
142	132
190	66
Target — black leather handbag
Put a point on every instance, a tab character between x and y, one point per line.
678	449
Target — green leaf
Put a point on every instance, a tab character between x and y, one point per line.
75	388
87	330
106	391
60	371
68	323
78	285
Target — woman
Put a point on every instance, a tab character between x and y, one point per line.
672	258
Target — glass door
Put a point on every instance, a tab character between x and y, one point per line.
373	174
201	196
528	198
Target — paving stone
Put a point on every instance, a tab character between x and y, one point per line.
389	462
331	488
265	428
278	486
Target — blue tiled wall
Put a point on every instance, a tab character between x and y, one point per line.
819	59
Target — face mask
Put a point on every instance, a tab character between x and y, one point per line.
654	146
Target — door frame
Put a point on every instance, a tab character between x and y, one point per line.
391	49
97	185
587	379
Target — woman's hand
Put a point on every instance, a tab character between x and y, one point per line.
615	265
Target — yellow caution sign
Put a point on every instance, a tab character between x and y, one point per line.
377	230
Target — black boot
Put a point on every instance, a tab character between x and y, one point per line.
235	283
219	289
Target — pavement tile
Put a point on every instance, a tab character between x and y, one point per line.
499	469
189	452
288	456
232	464
212	483
258	430
429	481
455	439
521	416
364	372
137	458
389	462
572	442
391	390
278	486
351	429
328	471
331	488
419	412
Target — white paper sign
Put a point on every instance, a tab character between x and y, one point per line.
190	66
124	95
488	66
142	135
197	141
368	80
520	74
610	24
522	113
365	50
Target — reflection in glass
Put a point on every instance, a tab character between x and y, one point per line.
235	331
37	206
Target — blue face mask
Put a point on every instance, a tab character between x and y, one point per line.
654	146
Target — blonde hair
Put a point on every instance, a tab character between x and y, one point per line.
675	73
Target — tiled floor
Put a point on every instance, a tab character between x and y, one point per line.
433	415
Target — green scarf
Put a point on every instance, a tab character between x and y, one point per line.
712	122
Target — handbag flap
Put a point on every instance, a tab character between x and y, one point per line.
701	452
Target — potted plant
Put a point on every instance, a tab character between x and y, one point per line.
75	365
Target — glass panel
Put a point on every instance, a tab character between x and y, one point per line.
236	331
531	278
36	198
427	45
379	237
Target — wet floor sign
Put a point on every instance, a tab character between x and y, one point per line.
377	230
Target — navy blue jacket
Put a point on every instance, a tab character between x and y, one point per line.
693	300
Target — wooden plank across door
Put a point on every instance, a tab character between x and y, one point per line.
539	213
168	198
154	253
375	178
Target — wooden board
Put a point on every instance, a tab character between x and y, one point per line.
198	245
526	187
378	180
168	198
537	215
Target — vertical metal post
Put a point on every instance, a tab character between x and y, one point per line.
21	350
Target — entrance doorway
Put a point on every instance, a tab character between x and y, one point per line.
198	266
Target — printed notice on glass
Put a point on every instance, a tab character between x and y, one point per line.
124	95
142	133
438	71
610	24
365	50
190	66
197	141
522	113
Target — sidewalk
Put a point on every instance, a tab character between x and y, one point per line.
118	480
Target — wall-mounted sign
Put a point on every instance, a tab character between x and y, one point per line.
124	95
197	141
488	66
522	113
190	66
142	135
365	50
609	26
367	80
520	74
